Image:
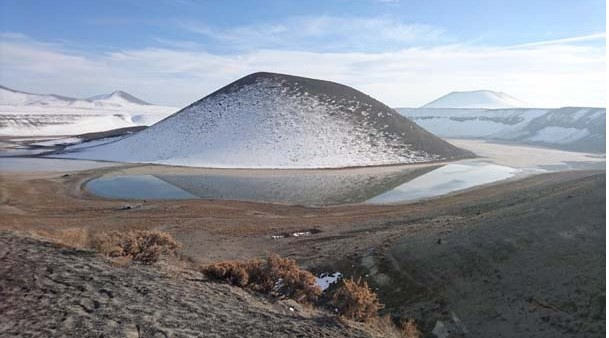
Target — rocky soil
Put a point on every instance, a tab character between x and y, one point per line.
51	291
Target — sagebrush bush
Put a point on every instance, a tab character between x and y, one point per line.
409	329
275	275
233	272
356	301
140	245
385	327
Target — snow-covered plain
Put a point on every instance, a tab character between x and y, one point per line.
27	114
277	121
569	128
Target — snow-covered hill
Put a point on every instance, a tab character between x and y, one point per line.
10	97
568	128
27	114
119	98
267	120
476	99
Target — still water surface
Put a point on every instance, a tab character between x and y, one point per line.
317	188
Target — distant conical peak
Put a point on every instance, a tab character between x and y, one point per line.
476	99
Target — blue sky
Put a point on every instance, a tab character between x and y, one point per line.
405	53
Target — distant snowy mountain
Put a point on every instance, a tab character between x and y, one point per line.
17	98
118	97
569	128
28	114
267	120
476	99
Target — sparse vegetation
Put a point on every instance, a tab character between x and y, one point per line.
409	329
275	275
385	327
356	301
139	245
71	237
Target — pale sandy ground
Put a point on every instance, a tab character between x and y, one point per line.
518	156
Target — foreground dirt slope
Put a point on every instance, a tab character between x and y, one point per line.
50	291
522	258
531	264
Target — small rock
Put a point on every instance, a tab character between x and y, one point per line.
440	330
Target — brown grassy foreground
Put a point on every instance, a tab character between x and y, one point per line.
482	265
139	245
277	276
146	246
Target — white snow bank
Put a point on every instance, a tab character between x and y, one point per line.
559	135
326	279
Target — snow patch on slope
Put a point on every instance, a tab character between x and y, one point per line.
559	135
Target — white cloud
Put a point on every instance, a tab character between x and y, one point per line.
557	74
320	33
588	37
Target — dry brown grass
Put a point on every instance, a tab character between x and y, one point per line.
70	237
354	300
385	327
139	245
408	329
275	275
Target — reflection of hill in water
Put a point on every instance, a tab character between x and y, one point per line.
312	189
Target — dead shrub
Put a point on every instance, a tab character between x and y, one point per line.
356	301
409	329
233	272
385	327
108	244
139	245
275	275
